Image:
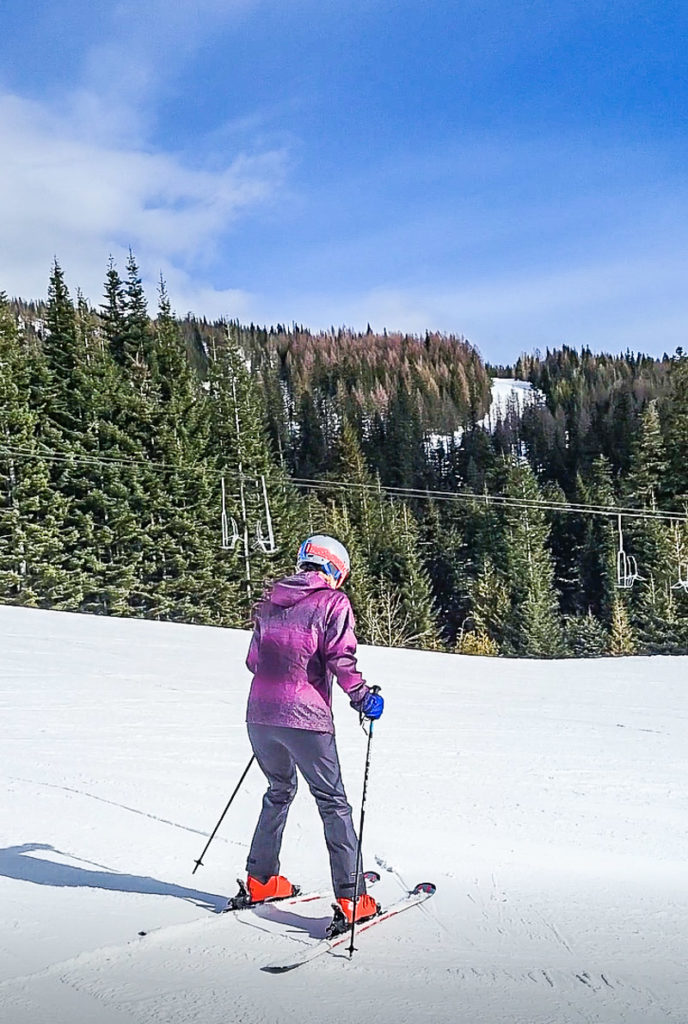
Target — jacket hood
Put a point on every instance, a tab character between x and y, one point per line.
292	589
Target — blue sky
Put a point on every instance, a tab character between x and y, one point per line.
515	173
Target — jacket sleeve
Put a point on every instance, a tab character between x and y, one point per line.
252	656
340	650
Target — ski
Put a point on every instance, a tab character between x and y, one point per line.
421	892
296	899
284	901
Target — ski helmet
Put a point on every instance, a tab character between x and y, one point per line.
326	552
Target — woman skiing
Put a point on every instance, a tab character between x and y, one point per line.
303	636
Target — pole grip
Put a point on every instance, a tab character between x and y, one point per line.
373	689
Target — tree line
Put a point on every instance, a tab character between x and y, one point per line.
167	468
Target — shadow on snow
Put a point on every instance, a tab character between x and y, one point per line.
16	862
315	927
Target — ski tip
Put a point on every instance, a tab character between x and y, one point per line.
427	887
371	877
278	968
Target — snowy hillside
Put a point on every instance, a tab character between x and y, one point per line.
548	801
509	394
506	394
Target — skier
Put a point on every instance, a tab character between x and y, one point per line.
303	635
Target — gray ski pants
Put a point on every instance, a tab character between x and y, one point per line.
279	752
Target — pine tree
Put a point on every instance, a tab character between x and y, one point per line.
598	548
401	456
447	556
648	466
534	626
490	603
311	454
183	572
652	602
65	419
358	518
137	339
566	537
240	454
365	499
407	571
30	511
622	640
60	343
389	586
586	637
123	441
333	519
676	431
113	316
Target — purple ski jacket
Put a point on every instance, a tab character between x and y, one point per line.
303	636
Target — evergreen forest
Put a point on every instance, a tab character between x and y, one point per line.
167	467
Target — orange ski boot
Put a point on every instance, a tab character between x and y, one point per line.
253	891
366	907
276	888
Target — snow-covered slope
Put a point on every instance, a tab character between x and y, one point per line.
509	394
547	800
506	394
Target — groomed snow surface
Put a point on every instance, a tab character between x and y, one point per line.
547	800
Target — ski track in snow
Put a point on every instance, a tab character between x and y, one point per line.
546	800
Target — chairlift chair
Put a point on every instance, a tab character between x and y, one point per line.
265	544
229	539
626	566
682	582
626	570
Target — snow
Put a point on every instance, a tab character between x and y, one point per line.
36	323
547	801
506	394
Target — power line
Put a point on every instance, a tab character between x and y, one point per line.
496	499
411	493
107	460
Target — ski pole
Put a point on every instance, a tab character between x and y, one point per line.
199	862
359	851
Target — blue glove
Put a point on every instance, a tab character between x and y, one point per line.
372	705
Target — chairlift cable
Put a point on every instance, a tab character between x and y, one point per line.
419	494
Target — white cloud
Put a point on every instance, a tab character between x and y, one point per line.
79	199
79	179
140	50
638	303
67	193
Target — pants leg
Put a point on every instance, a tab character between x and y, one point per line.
278	767
316	756
277	751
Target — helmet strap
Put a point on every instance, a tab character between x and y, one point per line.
331	581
